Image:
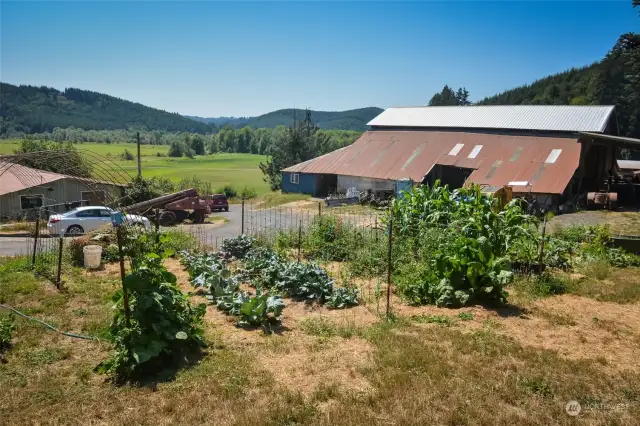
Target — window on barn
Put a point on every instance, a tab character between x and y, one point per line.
456	149
553	156
295	178
92	198
30	201
475	151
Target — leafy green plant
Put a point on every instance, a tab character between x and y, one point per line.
262	310
7	325
163	328
465	316
343	297
305	280
473	264
328	238
237	247
262	267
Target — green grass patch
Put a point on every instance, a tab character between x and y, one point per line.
237	170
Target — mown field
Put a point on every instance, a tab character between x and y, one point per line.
238	170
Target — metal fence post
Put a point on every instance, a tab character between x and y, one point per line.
157	216
389	266
59	280
242	221
319	208
35	240
299	240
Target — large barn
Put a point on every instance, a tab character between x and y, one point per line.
24	190
549	152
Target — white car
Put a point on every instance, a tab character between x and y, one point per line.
89	218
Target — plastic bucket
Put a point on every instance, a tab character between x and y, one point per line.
92	256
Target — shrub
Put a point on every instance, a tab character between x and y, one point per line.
127	155
177	241
228	190
164	327
160	154
330	239
177	149
248	193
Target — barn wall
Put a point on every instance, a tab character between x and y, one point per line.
60	191
364	184
306	183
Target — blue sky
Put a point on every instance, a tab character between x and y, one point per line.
213	59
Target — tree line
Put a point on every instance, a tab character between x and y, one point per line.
227	139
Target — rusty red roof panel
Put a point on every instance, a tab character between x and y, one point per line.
546	164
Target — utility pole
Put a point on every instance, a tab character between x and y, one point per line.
139	164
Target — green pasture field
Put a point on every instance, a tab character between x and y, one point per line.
238	170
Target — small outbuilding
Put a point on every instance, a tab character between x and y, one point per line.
24	190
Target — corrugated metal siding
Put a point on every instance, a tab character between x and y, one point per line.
393	155
564	118
62	191
306	183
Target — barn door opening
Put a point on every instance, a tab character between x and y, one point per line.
453	176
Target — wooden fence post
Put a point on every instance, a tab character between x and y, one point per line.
125	295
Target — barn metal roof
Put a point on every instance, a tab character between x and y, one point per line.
561	118
15	177
539	164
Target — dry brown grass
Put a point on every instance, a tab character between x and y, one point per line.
511	366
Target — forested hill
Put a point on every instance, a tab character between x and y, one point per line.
613	81
566	88
355	119
33	109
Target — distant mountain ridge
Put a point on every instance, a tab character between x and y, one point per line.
33	109
354	119
221	121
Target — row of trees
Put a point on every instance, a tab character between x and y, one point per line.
447	97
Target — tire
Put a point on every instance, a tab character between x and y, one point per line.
198	217
226	209
75	230
167	218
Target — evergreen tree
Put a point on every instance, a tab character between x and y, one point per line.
296	144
